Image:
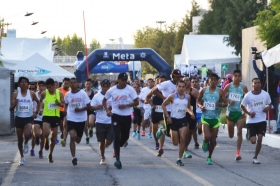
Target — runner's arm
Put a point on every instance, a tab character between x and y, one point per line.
245	89
62	102
222	98
189	110
199	99
43	95
148	97
158	94
168	100
34	98
14	101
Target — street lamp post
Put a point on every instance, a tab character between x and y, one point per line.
160	22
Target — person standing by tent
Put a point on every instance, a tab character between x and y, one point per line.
204	71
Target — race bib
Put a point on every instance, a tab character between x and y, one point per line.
158	108
234	96
258	104
23	108
209	105
181	112
52	106
75	105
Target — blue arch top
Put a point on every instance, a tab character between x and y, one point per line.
139	54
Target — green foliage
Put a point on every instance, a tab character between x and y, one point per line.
94	44
268	22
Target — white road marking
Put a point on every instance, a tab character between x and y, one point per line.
9	178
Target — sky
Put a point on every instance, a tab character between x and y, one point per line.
104	19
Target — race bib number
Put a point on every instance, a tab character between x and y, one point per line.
158	108
75	105
209	105
23	108
258	104
52	106
181	112
234	96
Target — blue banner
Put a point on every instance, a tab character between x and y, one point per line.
108	66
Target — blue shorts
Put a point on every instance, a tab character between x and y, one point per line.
198	117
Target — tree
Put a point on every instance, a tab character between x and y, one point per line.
76	44
268	24
94	44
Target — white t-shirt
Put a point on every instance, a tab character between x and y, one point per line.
140	105
256	103
143	94
167	88
79	99
122	96
101	115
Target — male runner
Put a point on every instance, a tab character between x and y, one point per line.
104	128
122	96
23	102
180	104
256	104
77	103
138	112
209	102
234	93
53	99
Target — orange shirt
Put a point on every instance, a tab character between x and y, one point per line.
63	92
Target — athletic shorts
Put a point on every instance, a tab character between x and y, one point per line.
104	132
147	113
156	117
77	126
234	116
198	117
21	122
52	120
256	128
38	123
89	112
178	123
213	123
191	122
62	115
137	119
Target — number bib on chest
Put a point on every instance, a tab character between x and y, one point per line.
23	108
158	108
75	105
209	105
258	104
234	96
52	106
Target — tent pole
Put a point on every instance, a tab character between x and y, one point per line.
267	88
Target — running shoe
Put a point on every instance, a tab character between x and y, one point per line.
157	146
32	152
21	161
138	136
134	134
74	161
40	154
159	132
179	163
37	140
102	161
143	133
238	157
90	132
56	141
209	161
150	135
187	155
196	146
256	161
63	143
205	146
50	158
87	140
118	164
125	144
160	152
25	148
47	145
114	154
61	135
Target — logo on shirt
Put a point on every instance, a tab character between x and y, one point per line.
76	100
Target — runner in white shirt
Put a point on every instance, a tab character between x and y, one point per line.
138	112
124	98
104	128
77	103
256	104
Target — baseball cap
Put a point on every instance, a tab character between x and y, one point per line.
177	73
229	76
122	75
105	81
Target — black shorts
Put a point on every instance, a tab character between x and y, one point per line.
89	112
104	132
191	122
256	128
77	126
38	123
156	117
62	115
178	123
137	119
21	122
52	120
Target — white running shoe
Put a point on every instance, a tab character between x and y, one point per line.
26	148
256	161
21	161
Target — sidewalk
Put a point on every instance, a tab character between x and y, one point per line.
270	139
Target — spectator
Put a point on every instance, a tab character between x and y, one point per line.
228	80
204	71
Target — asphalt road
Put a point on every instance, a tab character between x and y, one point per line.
141	166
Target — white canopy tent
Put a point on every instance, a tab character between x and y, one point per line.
16	50
210	50
38	68
271	56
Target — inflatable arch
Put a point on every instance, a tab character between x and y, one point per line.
140	54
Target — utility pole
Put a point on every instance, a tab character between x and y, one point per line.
160	22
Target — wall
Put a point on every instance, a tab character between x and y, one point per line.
250	39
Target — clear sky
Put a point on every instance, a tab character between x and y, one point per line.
105	19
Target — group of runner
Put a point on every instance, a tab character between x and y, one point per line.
177	108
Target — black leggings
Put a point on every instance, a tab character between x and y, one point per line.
137	117
121	127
